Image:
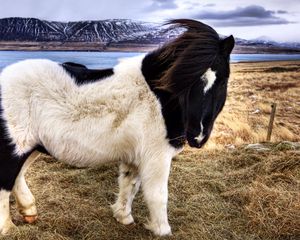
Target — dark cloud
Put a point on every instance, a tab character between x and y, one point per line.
253	11
248	22
242	16
281	12
161	5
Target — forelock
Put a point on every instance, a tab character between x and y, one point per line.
193	52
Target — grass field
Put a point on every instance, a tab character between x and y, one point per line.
224	191
253	88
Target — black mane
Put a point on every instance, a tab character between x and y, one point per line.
179	63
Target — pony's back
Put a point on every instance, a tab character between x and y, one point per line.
44	105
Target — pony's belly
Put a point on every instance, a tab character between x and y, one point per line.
80	155
85	161
89	150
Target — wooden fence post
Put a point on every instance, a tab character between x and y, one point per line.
272	116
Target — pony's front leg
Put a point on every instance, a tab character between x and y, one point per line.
129	183
154	175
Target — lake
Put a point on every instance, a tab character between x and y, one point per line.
109	59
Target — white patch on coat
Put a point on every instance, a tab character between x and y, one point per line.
209	77
116	119
5	219
201	136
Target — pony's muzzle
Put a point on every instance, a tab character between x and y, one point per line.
197	140
195	143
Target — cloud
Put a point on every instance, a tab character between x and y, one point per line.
70	10
252	15
281	12
161	5
243	22
252	11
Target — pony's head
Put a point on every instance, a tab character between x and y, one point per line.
196	73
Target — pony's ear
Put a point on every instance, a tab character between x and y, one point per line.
227	45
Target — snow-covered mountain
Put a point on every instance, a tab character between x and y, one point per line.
106	32
265	40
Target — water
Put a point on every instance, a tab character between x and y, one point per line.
109	59
90	59
263	57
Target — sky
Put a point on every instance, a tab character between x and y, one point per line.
277	20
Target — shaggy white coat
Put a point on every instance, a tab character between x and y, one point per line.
116	119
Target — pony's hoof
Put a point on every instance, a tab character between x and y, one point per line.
125	220
121	216
161	230
30	219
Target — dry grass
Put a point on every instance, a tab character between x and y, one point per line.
252	89
215	193
223	194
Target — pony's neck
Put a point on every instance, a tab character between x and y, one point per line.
152	69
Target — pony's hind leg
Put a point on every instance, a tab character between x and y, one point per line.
25	199
10	166
12	160
129	183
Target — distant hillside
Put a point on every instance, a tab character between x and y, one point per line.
104	31
112	34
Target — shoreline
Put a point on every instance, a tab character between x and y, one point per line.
252	62
123	47
267	61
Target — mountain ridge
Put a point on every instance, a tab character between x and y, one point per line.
104	34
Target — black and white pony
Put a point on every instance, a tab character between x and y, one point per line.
139	114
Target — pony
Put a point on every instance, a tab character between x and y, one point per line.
138	114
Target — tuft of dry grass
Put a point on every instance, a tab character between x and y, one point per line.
269	194
273	211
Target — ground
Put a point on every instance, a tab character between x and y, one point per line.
228	190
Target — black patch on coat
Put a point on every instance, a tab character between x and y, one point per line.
83	75
42	149
171	109
10	163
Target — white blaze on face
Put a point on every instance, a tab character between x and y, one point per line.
209	77
201	136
